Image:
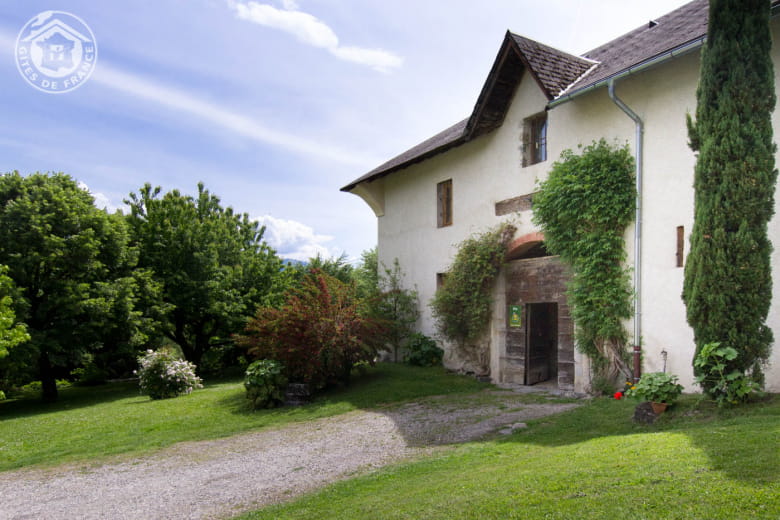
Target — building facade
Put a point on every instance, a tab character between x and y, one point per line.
536	102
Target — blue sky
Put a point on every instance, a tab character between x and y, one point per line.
273	104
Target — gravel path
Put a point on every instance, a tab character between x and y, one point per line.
222	478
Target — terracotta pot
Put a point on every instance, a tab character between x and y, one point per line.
658	408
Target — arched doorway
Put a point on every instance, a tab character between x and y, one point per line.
539	334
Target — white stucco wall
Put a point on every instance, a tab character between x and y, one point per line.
483	172
489	169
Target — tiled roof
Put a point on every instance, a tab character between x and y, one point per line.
672	30
558	74
438	143
554	70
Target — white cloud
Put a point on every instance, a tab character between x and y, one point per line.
378	59
303	26
312	31
294	240
102	201
176	99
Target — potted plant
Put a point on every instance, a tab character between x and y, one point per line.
660	388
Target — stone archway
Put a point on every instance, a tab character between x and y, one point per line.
539	342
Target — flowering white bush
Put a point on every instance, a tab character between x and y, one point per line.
162	375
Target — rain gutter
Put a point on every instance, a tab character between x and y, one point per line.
638	154
634	69
609	82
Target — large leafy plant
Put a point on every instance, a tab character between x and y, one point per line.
725	384
584	208
265	383
658	387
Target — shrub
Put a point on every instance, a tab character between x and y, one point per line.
658	387
161	375
319	334
265	382
462	305
423	351
726	386
89	375
34	389
2	395
397	305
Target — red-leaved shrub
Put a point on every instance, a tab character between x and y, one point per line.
318	335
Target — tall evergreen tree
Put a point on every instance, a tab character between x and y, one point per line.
727	289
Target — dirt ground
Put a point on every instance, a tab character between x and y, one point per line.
224	477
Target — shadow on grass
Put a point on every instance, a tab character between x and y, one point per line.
375	388
741	442
426	407
70	398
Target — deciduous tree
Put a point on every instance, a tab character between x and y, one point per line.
212	262
74	274
11	332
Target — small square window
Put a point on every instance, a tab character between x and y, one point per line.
444	203
535	139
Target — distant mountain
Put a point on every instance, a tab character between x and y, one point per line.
295	263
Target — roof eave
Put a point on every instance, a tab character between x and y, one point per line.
676	52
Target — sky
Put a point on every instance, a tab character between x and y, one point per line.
273	104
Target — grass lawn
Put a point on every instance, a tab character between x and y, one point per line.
696	462
88	423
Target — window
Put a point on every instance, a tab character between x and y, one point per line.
441	278
444	203
535	139
680	246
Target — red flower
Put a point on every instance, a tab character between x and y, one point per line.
618	395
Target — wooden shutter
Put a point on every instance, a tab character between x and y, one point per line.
444	203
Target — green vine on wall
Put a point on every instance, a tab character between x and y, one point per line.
584	208
462	305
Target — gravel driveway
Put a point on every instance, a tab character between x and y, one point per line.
222	478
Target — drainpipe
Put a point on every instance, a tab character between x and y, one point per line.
637	229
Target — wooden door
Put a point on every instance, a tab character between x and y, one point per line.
541	341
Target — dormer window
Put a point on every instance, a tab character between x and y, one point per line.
535	139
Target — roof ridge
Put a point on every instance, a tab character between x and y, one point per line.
582	77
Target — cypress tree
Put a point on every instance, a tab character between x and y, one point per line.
728	281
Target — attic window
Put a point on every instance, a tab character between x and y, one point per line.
651	24
535	139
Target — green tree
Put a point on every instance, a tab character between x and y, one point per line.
366	274
727	288
11	332
212	262
396	305
583	208
69	261
338	267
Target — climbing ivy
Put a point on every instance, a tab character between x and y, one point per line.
461	306
583	208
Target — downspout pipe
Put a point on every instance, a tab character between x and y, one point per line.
638	152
